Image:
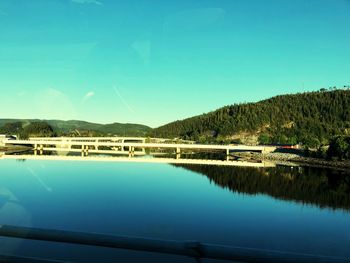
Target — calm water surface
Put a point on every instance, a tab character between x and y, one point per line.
296	209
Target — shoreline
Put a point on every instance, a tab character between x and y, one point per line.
306	161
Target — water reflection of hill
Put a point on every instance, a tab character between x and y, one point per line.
321	187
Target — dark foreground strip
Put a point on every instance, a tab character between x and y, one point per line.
16	259
188	248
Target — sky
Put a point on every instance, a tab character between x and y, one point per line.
156	61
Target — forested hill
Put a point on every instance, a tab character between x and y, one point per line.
34	127
311	118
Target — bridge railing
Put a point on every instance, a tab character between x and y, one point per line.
192	249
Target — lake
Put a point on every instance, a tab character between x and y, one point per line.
285	208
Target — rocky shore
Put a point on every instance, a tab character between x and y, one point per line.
299	159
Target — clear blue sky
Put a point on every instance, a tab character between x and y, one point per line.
155	61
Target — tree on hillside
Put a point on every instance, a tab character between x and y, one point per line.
11	128
37	129
339	147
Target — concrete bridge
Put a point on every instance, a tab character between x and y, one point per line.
124	145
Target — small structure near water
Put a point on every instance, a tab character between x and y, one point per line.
6	137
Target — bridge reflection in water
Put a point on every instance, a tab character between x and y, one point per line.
143	159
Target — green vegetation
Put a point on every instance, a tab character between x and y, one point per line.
339	147
34	129
11	128
48	128
37	129
82	128
311	119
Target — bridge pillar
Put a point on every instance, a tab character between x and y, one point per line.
83	150
35	149
227	154
41	149
143	150
178	153
69	144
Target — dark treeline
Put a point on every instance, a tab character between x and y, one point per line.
339	147
311	118
321	187
37	128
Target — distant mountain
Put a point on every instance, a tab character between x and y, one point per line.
311	118
77	128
